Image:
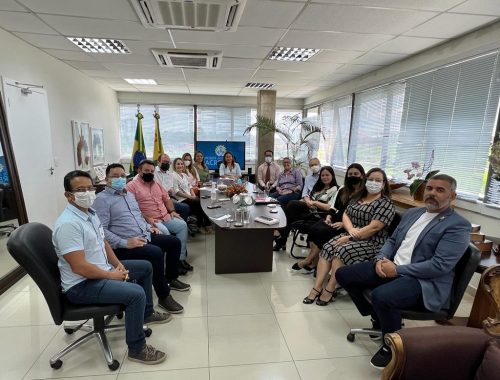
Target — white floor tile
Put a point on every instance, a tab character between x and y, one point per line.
246	339
86	360
315	335
270	371
24	309
21	346
351	368
149	373
185	340
227	301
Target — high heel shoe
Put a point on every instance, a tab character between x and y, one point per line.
308	300
320	302
279	245
305	267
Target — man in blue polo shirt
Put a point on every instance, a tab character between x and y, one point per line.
132	238
92	274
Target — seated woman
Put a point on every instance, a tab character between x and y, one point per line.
184	193
326	229
366	220
201	168
229	168
321	198
191	172
289	186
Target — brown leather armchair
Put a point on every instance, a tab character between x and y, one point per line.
446	352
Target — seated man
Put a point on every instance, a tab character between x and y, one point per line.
157	207
133	239
92	274
164	177
311	179
415	267
289	184
268	172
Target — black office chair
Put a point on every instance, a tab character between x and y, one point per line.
31	246
464	270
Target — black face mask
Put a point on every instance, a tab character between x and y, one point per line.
165	166
148	177
352	180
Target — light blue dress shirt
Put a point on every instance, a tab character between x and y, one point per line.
120	216
76	230
309	184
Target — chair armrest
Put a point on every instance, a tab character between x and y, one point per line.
435	353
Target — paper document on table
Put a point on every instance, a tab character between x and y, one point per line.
223	199
205	188
220	217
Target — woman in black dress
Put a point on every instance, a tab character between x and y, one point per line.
366	220
324	230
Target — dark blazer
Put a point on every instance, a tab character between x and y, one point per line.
437	250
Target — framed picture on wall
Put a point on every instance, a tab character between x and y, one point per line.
97	146
81	145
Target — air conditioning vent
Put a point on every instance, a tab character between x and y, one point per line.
208	15
259	86
193	59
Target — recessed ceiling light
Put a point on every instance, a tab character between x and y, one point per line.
259	86
141	81
292	54
100	45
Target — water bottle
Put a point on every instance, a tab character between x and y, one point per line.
213	192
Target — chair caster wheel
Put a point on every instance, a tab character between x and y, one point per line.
351	337
148	332
114	366
57	364
69	331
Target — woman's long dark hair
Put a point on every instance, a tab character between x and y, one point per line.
319	185
202	161
362	193
349	189
233	161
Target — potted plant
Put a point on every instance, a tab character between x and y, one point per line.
494	158
418	186
298	136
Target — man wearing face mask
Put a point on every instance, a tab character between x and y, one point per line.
415	267
311	179
157	207
133	239
268	172
163	176
92	274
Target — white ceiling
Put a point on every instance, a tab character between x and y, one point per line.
357	36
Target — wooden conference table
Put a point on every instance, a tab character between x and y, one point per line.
242	249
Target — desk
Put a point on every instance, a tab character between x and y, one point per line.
244	249
405	200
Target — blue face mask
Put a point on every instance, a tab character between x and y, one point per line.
118	183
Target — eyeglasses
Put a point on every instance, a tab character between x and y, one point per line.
83	189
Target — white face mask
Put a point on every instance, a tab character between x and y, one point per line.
374	187
187	163
84	199
315	168
268	159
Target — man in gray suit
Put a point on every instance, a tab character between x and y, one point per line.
415	267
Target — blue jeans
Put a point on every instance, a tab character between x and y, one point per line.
177	227
182	209
134	294
284	199
389	295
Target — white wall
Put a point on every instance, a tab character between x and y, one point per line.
71	96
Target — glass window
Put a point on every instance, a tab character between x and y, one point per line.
225	123
280	148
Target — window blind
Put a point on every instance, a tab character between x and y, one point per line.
335	121
226	123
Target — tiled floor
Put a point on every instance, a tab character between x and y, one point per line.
247	326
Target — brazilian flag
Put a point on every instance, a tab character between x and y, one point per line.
158	146
139	151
